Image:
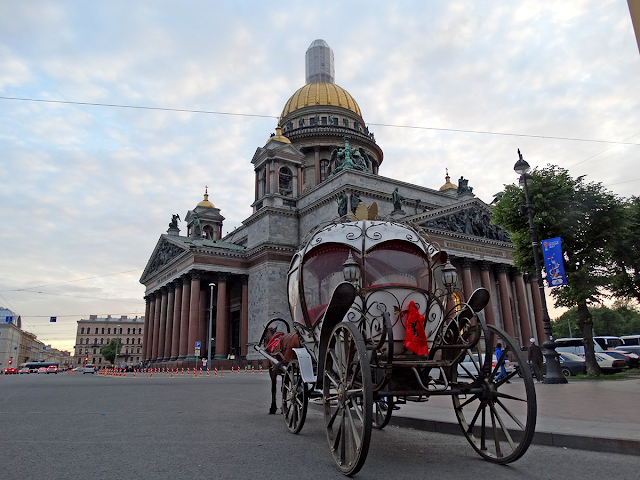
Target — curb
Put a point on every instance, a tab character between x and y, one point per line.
547	439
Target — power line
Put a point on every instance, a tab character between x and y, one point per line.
605	150
626	181
77	296
211	112
71	281
83	315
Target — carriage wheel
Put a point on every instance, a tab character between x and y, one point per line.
348	398
382	410
295	398
499	418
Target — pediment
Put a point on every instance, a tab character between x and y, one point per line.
164	253
471	218
287	151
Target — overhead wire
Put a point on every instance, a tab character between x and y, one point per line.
71	281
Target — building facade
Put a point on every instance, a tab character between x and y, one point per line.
321	164
94	333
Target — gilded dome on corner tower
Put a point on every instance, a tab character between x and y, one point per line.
321	93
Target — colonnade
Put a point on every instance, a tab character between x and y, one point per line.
176	317
504	275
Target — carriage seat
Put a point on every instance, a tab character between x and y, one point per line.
317	312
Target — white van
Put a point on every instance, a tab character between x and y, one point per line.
608	342
631	339
574	345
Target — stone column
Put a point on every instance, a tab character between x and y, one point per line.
523	313
244	316
145	337
194	314
156	328
467	286
202	317
168	335
221	317
184	317
276	177
300	180
537	308
316	164
485	280
505	304
163	323
257	185
294	182
177	315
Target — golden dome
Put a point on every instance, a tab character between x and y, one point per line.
321	93
206	202
447	184
278	137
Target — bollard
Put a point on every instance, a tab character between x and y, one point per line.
260	368
208	372
253	369
215	371
200	371
245	369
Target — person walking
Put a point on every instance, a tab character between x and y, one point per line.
503	370
535	359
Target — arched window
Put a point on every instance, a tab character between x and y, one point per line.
82	330
128	331
139	331
102	331
262	182
81	341
345	122
285	181
121	331
79	351
127	341
208	232
109	331
101	341
108	340
138	350
87	341
139	341
96	330
325	170
95	341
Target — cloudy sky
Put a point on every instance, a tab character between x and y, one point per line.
85	191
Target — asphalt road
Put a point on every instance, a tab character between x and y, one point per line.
92	427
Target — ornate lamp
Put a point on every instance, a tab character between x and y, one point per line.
449	276
522	166
351	270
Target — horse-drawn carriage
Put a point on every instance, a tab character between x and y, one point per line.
376	324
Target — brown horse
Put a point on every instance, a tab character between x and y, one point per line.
280	346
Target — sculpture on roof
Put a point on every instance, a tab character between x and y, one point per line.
397	198
174	221
349	157
463	186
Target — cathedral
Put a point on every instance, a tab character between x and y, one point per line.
319	165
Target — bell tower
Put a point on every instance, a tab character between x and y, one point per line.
205	220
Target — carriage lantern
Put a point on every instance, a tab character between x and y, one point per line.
351	270
449	276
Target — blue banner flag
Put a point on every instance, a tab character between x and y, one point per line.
9	319
553	262
52	319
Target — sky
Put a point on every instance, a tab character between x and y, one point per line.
86	191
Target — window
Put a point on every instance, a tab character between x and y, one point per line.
139	341
109	331
324	170
96	330
137	359
394	263
128	331
356	126
102	341
286	181
138	350
345	122
82	330
81	341
87	341
313	121
95	341
94	351
108	340
262	182
127	341
121	331
102	331
323	120
139	331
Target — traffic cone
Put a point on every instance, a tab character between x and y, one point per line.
208	372
260	368
215	371
134	374
253	369
245	369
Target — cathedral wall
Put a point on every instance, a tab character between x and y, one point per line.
274	228
267	298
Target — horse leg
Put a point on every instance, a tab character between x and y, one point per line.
274	378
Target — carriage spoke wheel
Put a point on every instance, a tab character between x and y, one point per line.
295	398
382	410
348	398
499	417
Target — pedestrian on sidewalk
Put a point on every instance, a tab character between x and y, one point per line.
535	359
503	370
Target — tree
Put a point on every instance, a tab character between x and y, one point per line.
626	278
110	350
585	216
617	321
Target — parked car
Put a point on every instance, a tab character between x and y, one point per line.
629	348
609	364
42	370
574	345
467	365
78	369
10	371
607	342
570	364
631	359
89	369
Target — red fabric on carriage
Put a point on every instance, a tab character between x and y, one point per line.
316	312
414	338
273	343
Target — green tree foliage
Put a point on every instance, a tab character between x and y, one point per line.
617	321
626	278
586	217
110	349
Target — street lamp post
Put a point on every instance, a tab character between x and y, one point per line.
210	325
554	372
115	359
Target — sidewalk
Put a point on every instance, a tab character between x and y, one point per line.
598	416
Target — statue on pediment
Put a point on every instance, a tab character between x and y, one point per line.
174	221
